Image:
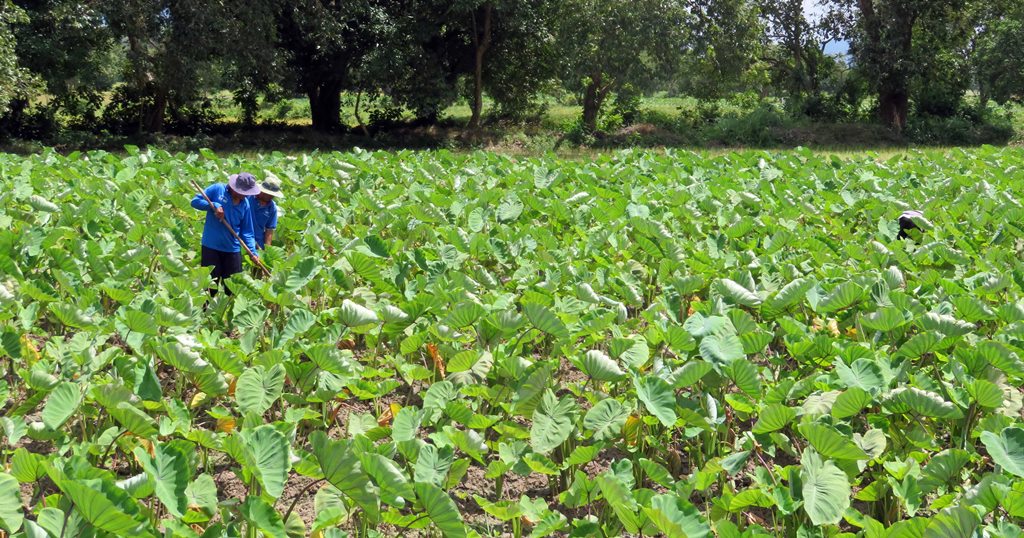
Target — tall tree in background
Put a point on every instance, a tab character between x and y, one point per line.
13	78
326	42
609	43
882	41
723	52
796	45
430	50
171	45
997	61
481	14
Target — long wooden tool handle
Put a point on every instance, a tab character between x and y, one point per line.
232	230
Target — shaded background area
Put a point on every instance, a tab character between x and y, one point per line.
531	75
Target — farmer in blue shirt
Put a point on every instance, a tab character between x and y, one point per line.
264	211
220	249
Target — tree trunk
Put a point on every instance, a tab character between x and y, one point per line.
593	98
153	116
355	112
481	43
893	86
892	109
325	105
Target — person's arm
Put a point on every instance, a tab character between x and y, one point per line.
268	236
247	234
200	203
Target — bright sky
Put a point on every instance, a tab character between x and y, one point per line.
812	8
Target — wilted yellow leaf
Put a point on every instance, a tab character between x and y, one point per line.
225	425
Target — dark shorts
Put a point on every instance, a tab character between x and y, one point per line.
224	264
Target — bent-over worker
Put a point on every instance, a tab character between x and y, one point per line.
220	249
264	211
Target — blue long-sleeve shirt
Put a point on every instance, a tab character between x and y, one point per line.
264	217
239	216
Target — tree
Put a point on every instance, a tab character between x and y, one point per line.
608	43
72	51
723	50
13	78
997	62
795	45
326	43
882	41
171	46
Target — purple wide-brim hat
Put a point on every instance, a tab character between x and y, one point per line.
244	184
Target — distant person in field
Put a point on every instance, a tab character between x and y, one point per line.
264	211
907	223
231	205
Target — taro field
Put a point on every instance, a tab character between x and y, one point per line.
639	344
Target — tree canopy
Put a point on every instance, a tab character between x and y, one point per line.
149	65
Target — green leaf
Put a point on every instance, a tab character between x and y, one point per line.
850	402
842	296
919	345
545	321
134	420
269	454
394	486
985	393
606	419
443	513
432	464
104	505
690	373
676	517
621	501
972	309
169	470
601	367
406	424
920	402
734	463
954	522
657	473
510	208
301	274
263	516
825	489
863	373
464	315
744	374
830	443
353	315
141	322
887	319
942	468
658	397
737	294
344	471
790	294
299	321
257	388
872	442
11	515
1006	449
773	418
26	466
42	205
553	422
946	325
61	405
721	349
